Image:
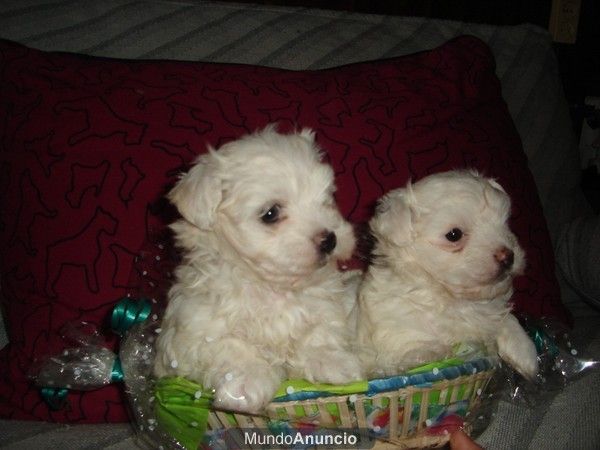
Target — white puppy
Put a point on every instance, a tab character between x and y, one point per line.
443	269
258	296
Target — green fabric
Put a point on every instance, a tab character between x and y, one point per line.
300	385
435	365
182	408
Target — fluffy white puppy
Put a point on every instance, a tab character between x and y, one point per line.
442	274
258	296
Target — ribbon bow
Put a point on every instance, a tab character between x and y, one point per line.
127	312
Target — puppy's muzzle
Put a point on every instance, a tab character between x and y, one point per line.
505	258
326	242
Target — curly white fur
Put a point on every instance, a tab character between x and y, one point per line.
443	269
258	296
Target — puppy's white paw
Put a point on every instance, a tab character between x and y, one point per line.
516	348
522	358
246	392
334	367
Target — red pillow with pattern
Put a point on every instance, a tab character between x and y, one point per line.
89	146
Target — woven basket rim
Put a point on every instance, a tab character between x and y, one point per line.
437	385
378	385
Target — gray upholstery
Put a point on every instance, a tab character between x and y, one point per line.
578	256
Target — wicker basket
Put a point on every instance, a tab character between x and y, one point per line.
411	412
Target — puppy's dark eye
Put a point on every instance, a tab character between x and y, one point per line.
454	235
272	215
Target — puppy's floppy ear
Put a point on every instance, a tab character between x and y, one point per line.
393	217
491	181
308	134
198	193
495	184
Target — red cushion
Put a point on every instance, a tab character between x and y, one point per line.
89	145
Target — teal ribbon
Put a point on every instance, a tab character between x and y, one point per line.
55	398
543	342
127	312
116	374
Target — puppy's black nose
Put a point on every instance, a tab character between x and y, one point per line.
328	242
505	257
